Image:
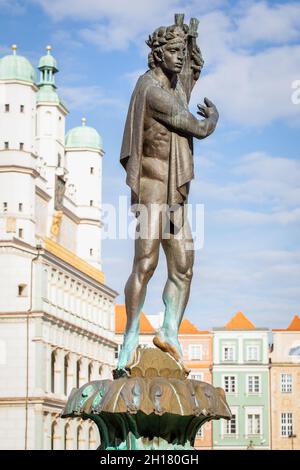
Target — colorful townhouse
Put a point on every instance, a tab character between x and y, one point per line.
197	350
241	368
285	387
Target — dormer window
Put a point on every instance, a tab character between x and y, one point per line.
21	146
6	107
6	145
22	107
91	203
92	170
4	206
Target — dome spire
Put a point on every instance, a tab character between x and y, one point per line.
83	121
14	48
48	68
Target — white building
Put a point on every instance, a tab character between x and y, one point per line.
56	312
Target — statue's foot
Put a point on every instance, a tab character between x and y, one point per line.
166	345
126	356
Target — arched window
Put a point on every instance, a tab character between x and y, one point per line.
68	438
54	435
53	357
80	438
92	439
78	364
66	365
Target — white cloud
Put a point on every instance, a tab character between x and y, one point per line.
253	89
247	217
274	24
86	98
250	86
257	179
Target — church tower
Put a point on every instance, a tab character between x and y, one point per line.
18	157
50	132
84	152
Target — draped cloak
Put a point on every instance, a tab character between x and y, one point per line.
181	167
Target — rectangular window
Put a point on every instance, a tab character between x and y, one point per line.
230	383
20	207
253	384
230	426
197	377
252	353
7	108
4	206
6	145
91	203
286	383
92	170
21	146
195	352
200	433
286	424
91	251
20	233
228	353
253	424
22	290
22	108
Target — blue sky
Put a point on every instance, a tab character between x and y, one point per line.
247	173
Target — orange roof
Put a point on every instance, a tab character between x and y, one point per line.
145	325
239	322
187	328
295	324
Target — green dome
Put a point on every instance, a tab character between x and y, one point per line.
48	61
83	137
16	67
47	94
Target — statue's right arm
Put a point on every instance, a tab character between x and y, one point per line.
165	108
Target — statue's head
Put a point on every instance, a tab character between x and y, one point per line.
168	45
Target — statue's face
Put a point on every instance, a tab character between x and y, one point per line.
173	56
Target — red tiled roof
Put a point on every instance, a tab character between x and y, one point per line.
239	322
120	313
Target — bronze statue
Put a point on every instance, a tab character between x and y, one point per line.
157	154
150	404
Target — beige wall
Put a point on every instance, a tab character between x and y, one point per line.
285	402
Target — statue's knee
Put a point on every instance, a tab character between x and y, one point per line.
184	275
146	269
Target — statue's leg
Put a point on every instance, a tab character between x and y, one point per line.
180	259
144	264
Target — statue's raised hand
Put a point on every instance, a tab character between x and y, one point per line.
209	111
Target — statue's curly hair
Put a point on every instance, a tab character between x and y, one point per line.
161	36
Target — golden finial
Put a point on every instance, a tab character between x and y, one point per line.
14	49
49	49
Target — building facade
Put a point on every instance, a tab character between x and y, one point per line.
285	387
56	311
241	368
198	357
